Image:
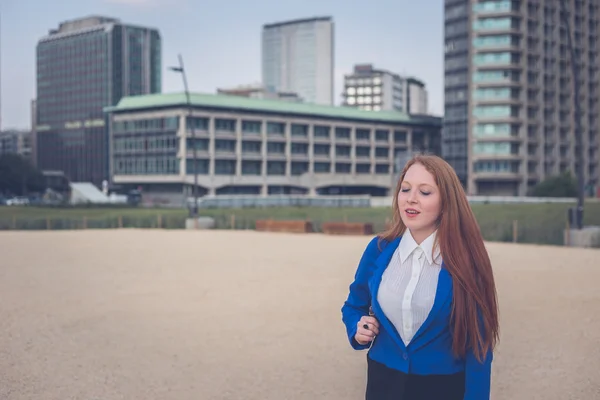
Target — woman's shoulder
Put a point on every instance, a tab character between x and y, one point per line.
379	242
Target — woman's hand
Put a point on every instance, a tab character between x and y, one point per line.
368	328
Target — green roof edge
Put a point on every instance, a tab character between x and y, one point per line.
161	100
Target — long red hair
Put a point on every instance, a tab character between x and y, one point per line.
474	315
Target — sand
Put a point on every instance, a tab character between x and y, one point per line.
133	314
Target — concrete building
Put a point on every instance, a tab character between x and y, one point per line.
259	91
16	142
83	66
373	89
298	57
261	147
509	96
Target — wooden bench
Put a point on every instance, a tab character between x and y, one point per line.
347	228
270	225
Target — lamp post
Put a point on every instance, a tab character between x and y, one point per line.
181	70
578	134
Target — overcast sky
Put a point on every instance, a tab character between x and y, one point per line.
220	40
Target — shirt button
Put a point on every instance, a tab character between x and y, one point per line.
405	356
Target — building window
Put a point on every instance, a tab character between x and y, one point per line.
492	93
363	134
322	167
492	6
275	167
342	151
251	167
382	135
342	168
492	111
321	149
276	128
197	123
275	148
225	167
251	147
299	130
496	166
492	41
363	152
363	168
251	126
342	133
492	24
492	130
492	58
322	131
492	76
225	125
299	148
382	169
495	148
299	168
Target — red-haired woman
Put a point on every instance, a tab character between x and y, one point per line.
423	300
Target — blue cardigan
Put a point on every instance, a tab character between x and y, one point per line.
430	350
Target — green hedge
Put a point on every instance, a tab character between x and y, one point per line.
535	223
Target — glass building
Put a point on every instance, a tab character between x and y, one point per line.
297	57
83	66
509	92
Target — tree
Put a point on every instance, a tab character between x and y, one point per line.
18	177
563	185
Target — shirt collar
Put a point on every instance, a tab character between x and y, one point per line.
408	245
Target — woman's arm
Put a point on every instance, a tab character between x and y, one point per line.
478	376
359	298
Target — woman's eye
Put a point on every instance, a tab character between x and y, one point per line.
425	193
404	190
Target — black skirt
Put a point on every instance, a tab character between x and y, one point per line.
384	383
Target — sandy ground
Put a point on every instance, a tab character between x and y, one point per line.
157	315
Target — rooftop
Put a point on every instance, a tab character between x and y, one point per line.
230	102
297	21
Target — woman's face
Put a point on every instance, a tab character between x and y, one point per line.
419	202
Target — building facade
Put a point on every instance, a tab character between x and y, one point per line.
259	91
509	92
16	142
298	57
261	147
373	89
82	67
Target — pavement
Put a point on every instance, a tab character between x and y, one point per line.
161	315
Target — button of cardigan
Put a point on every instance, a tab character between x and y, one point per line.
405	356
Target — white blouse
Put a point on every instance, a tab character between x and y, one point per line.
409	284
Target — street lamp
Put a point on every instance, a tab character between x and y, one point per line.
181	70
578	139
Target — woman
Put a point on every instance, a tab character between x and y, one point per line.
423	300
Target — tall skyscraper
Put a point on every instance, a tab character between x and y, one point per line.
373	89
297	56
509	94
83	66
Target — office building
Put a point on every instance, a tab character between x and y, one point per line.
298	57
259	91
83	66
16	142
260	147
509	94
373	89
